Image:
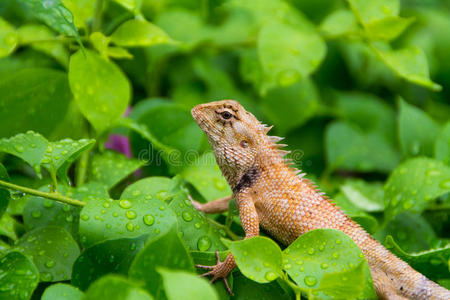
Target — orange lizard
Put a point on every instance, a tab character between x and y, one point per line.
272	194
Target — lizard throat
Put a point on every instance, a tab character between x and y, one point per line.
247	179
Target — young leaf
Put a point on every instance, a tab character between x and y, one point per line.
100	89
53	250
111	256
433	263
103	219
417	131
442	145
27	97
288	54
54	14
387	28
350	149
166	251
20	277
30	147
204	174
139	33
111	167
113	287
82	11
410	63
258	258
317	254
189	286
372	10
339	23
366	196
62	291
8	38
60	155
8	227
414	183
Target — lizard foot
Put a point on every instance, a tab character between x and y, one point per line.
220	270
197	205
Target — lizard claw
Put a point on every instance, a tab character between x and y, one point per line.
197	205
217	271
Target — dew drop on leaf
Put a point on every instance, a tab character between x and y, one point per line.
125	204
187	216
148	220
36	214
48	203
270	276
204	243
310	280
50	263
324	266
311	251
84	217
130	226
130	214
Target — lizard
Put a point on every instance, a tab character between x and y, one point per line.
270	192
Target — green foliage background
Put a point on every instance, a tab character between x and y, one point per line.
359	88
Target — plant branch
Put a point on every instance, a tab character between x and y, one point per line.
230	233
51	196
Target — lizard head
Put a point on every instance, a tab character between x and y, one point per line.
234	133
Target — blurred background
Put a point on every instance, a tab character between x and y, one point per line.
356	87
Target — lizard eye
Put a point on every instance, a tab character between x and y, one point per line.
244	144
226	115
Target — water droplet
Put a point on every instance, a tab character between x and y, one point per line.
299	262
130	214
310	280
219	184
42	252
48	203
157	231
287	266
125	204
106	204
161	195
19	148
321	247
197	225
408	204
69	218
187	216
50	263
84	217
270	276
36	214
324	266
33	145
338	241
148	220
204	243
311	251
115	215
130	226
45	276
335	255
66	208
64	152
162	207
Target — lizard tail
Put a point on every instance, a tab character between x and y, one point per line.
394	279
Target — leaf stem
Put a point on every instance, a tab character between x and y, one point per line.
51	196
81	169
97	16
230	233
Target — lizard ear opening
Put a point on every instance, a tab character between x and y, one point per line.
244	144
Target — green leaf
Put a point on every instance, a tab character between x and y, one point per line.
315	258
115	287
245	288
388	28
414	183
8	38
62	291
350	149
189	286
54	14
372	10
103	219
417	131
5	195
409	63
112	167
27	96
8	227
139	33
111	256
442	145
82	11
20	277
204	174
339	23
344	285
100	89
411	231
36	35
369	223
288	54
166	251
433	263
196	230
30	147
60	155
368	196
53	250
258	258
300	103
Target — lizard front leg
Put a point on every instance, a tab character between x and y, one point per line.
214	207
250	223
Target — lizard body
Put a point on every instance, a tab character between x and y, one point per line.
272	194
